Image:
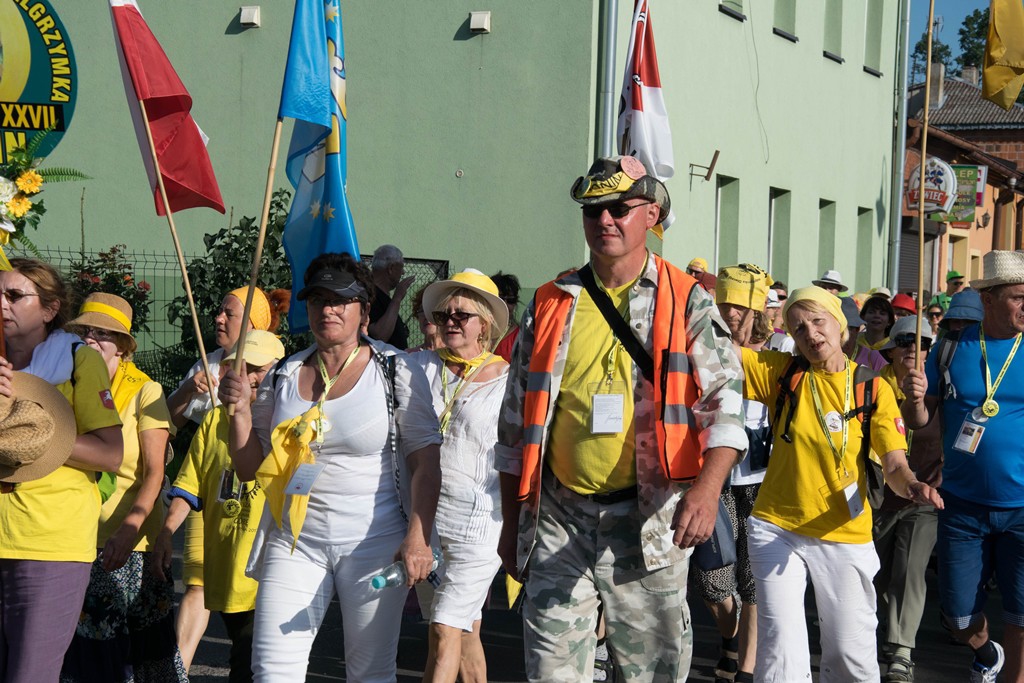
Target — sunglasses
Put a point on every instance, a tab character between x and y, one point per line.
99	334
620	210
13	296
934	314
957	283
330	302
782	296
441	318
906	341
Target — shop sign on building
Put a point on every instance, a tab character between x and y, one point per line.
962	213
939	187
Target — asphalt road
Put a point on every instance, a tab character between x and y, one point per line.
938	659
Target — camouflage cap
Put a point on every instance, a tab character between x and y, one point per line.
614	179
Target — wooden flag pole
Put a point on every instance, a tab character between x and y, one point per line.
177	251
239	362
921	174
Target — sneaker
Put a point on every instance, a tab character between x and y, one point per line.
984	674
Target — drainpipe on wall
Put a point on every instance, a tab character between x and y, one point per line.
608	13
899	152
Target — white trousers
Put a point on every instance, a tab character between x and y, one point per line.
841	574
295	590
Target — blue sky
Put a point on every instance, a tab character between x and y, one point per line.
952	13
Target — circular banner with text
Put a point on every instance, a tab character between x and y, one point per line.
38	78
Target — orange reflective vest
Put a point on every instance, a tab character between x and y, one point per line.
675	388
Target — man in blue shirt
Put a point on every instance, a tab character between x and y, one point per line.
979	394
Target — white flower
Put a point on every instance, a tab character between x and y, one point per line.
6	224
7	190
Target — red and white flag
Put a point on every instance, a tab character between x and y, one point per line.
643	129
180	144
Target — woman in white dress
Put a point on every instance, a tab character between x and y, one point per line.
468	383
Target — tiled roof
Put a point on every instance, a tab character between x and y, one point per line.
963	108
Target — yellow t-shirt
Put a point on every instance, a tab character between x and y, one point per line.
801	490
583	461
56	518
227	540
147	410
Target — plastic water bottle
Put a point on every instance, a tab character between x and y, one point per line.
395	574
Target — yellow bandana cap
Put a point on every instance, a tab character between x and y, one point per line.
830	302
259	316
744	285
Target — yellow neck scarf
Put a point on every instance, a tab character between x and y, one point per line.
127	381
289	448
448	357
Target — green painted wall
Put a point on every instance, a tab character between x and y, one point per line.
784	117
234	77
461	146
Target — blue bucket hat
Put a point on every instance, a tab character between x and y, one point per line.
965	305
849	306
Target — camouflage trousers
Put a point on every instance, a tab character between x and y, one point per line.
588	555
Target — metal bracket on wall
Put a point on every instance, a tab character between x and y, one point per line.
710	169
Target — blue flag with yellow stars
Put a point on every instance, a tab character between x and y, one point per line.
313	94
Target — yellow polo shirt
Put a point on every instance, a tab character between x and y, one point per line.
583	461
800	492
56	518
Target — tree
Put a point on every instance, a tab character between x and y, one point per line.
941	54
973	34
226	265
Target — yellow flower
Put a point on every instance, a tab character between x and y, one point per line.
29	182
18	206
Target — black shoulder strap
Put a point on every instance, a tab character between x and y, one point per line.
947	347
867	377
787	394
278	369
74	349
620	328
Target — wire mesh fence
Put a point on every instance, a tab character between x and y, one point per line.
161	353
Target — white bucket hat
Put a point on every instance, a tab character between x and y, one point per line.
1001	268
830	278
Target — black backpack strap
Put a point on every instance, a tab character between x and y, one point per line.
944	358
74	349
787	393
620	328
868	379
278	370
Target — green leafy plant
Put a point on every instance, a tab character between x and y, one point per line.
21	181
111	272
226	266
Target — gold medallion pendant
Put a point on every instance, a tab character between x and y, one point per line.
990	408
232	507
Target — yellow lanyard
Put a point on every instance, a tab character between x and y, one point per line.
990	408
329	382
471	368
837	452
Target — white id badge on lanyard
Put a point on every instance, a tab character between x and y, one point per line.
853	501
228	486
305	475
607	407
969	437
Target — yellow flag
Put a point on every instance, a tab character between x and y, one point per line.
1004	53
